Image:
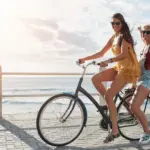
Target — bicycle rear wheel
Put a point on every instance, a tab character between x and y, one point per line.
53	125
128	125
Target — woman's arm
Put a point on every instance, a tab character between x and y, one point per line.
102	52
141	35
122	55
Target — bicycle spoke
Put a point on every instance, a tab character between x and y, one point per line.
127	123
53	129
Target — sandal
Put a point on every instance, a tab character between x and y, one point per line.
111	137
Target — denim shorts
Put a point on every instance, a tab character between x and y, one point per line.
145	77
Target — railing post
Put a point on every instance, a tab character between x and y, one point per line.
0	92
101	99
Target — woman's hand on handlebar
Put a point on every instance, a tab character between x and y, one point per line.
81	61
139	28
106	62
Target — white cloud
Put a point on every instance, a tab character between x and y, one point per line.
49	34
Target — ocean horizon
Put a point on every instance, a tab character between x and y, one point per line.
28	85
43	85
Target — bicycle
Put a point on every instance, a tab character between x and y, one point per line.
119	97
129	122
54	128
123	109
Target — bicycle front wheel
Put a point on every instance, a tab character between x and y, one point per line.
57	125
128	125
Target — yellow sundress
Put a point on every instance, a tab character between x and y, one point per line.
128	69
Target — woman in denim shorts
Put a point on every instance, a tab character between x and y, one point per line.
143	89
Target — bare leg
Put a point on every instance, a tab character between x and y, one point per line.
106	75
116	86
138	99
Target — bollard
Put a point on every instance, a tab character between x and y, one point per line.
0	92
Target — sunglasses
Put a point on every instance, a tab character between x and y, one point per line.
115	23
146	32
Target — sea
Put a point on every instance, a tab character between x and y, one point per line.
28	85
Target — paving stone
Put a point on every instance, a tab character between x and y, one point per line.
18	132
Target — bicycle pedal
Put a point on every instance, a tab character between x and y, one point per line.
103	125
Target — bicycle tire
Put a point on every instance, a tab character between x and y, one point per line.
126	132
84	119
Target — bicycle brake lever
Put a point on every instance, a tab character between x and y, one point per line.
77	62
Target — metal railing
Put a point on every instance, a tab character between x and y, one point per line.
28	74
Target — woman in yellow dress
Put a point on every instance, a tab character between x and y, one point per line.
126	70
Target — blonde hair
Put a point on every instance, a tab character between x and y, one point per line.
146	27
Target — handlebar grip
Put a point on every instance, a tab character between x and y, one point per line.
94	62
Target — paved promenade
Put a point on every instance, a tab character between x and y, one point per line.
18	132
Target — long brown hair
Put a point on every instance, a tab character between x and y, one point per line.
125	31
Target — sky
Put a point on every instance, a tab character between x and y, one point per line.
50	35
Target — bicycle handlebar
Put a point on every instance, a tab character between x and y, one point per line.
85	66
90	63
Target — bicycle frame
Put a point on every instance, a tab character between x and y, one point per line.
148	99
116	98
85	93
